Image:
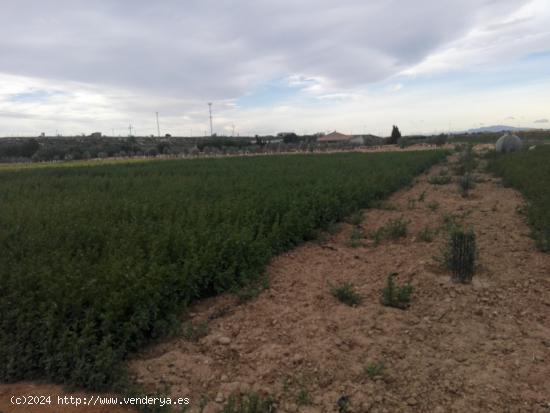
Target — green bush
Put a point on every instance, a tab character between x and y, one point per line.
98	260
467	161
356	218
194	332
426	234
303	398
393	229
433	206
396	296
375	369
355	238
465	184
346	294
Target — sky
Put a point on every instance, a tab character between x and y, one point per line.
429	66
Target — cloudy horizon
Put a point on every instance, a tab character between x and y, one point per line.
72	67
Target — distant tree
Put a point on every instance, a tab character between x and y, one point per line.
440	139
259	140
25	149
290	138
395	136
162	147
152	152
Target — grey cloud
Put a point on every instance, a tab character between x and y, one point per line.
541	121
219	49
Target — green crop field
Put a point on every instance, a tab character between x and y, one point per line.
96	261
529	171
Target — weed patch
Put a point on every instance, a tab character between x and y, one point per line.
251	403
393	229
465	184
396	296
346	294
194	332
355	237
375	369
433	206
426	234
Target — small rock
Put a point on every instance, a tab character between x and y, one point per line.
224	340
219	398
224	377
411	401
297	358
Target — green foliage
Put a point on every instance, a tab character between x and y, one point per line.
251	403
346	294
375	369
393	229
252	289
355	237
98	260
450	221
303	398
396	296
529	172
467	161
356	218
194	332
19	149
434	205
384	205
395	135
461	254
465	184
426	234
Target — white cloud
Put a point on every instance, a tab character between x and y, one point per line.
494	41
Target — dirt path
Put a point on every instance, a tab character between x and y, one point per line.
483	347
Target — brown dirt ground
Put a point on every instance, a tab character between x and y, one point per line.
483	347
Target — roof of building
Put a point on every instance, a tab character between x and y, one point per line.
334	137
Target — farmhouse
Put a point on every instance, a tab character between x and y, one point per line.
334	137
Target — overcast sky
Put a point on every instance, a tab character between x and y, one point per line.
356	66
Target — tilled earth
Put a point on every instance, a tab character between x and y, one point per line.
481	347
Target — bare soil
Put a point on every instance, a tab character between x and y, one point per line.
481	347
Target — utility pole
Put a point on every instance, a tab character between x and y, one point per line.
210	112
233	133
158	125
130	129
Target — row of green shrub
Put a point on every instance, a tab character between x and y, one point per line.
529	171
96	261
